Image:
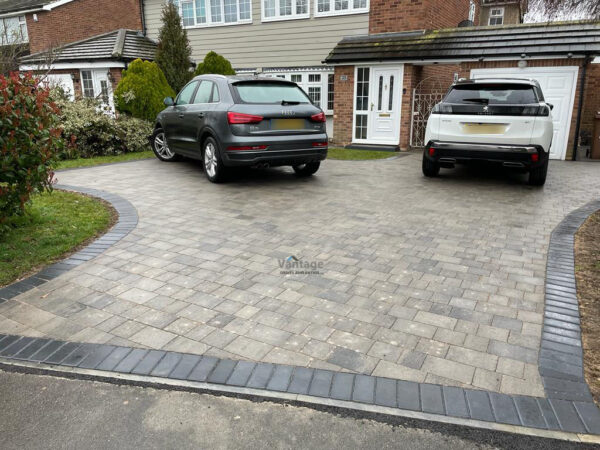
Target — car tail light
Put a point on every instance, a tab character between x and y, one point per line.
246	147
320	117
431	151
535	157
236	118
319	144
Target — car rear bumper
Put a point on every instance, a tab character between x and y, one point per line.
274	157
517	156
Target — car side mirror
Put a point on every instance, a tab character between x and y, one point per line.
169	101
551	106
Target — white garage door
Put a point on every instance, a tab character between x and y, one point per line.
61	80
558	85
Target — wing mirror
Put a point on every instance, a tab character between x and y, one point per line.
169	101
550	105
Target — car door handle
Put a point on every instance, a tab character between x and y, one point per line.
200	115
181	115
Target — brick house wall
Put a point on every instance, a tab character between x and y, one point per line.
343	104
591	100
81	19
387	16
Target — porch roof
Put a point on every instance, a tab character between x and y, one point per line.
558	39
117	45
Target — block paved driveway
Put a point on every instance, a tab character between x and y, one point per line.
426	280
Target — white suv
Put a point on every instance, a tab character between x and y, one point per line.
504	121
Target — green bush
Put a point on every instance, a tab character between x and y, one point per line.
173	51
142	90
91	130
214	63
29	140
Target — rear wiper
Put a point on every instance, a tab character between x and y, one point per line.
485	101
289	102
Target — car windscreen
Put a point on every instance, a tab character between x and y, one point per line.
270	92
492	94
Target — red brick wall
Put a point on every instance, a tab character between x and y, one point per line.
412	76
81	19
343	105
591	100
387	16
586	119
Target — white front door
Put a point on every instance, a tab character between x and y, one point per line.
558	86
377	105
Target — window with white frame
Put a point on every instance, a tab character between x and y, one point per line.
318	86
335	7
284	10
13	30
206	13
87	84
496	16
472	11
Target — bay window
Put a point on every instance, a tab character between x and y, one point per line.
206	13
337	7
284	9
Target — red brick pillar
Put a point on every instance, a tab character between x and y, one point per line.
343	104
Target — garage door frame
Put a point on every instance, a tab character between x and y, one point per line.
525	71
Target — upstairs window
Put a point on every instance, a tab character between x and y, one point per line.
496	16
13	30
336	7
206	13
284	10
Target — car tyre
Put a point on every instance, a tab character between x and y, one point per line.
214	169
161	148
430	168
537	176
306	170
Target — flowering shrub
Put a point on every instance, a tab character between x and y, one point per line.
90	130
29	141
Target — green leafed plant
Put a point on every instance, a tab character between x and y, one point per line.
215	63
142	90
29	140
173	51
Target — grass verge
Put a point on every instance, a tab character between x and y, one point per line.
88	162
57	223
357	155
587	272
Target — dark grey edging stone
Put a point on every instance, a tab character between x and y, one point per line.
127	221
568	406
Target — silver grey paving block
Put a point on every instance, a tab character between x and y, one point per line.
46	351
529	412
385	392
96	356
567	416
148	362
590	415
58	356
75	357
221	372
132	359
342	385
114	358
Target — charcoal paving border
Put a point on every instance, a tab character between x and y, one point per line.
568	407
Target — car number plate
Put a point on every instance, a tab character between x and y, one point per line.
287	124
484	128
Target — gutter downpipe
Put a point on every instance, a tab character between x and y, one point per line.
586	61
143	17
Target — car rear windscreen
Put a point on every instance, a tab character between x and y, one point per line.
492	94
270	93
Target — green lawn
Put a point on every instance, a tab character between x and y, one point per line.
56	223
347	154
86	162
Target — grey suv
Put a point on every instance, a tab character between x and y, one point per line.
227	121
